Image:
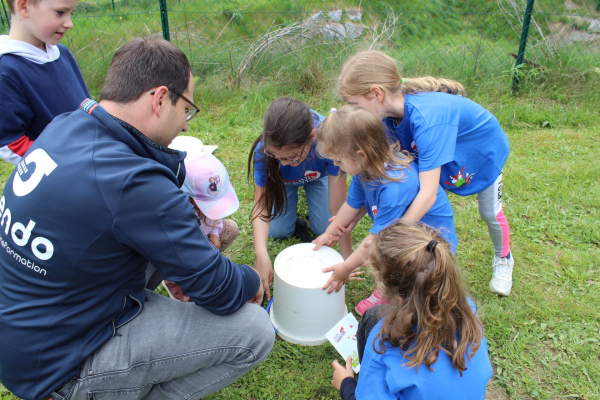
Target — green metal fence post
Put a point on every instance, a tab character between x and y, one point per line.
5	16
598	6
523	44
113	4
164	20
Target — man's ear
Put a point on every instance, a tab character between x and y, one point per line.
159	100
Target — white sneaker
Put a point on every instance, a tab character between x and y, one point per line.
501	282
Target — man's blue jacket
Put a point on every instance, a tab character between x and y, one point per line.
82	214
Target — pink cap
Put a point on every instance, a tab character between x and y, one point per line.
207	181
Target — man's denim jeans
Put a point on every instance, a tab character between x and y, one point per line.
174	350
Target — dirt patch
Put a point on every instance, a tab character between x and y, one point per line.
495	392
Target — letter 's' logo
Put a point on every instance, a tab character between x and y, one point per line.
44	166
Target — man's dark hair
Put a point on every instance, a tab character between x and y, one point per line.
143	64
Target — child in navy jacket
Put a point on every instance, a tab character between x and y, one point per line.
39	77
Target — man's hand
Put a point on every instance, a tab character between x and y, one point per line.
214	239
258	297
340	373
337	279
265	271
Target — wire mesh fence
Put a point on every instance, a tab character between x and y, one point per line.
460	39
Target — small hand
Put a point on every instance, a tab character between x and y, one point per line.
214	239
323	240
337	279
341	230
340	373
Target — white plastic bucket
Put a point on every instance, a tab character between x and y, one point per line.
302	312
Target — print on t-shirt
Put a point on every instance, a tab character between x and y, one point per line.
460	179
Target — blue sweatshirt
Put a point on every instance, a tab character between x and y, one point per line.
32	95
82	214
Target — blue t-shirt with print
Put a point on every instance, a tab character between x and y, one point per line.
386	376
314	167
387	201
455	133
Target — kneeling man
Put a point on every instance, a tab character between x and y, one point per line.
94	200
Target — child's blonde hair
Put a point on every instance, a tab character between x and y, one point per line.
11	4
373	68
416	271
352	128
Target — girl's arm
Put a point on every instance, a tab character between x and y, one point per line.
337	197
344	216
260	231
341	272
429	182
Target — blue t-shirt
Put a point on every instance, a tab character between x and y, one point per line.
455	133
314	167
383	376
387	201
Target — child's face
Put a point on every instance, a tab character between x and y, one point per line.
48	21
348	165
367	101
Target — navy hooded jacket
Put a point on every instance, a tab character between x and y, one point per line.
82	214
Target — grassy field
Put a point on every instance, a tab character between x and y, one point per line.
545	338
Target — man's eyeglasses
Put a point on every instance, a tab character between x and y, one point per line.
289	160
190	112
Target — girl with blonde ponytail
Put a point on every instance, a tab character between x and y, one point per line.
428	342
455	142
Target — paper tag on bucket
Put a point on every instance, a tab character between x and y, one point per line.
343	337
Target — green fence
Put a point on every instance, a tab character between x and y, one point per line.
460	39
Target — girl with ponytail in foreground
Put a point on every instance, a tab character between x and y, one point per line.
428	343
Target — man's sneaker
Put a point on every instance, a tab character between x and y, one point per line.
373	300
301	231
501	282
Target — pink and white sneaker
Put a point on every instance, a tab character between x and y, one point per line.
373	300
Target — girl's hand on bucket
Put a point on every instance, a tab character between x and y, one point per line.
322	240
340	373
337	279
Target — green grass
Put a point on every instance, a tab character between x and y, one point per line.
544	339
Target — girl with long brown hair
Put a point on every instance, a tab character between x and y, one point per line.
428	343
283	159
385	183
455	142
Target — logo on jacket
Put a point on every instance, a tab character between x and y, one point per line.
460	179
312	175
44	166
374	211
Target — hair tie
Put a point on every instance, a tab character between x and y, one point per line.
403	81
333	109
432	245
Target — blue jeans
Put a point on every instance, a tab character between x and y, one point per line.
173	350
317	197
